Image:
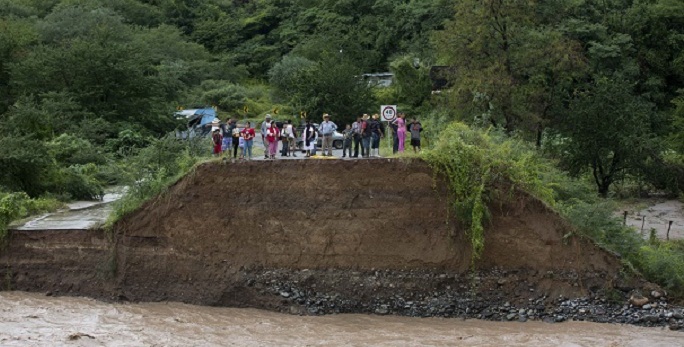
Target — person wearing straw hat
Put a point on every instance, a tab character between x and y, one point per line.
327	129
215	124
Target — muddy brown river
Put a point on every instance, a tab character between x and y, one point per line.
36	320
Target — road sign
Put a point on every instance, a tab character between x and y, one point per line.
388	112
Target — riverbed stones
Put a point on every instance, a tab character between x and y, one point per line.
418	293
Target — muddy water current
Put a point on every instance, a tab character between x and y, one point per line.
36	320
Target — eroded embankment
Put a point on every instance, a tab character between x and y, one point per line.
318	237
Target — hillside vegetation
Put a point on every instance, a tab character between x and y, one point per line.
591	91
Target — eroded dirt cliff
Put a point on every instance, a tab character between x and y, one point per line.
214	237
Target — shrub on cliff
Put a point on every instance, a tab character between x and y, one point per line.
155	168
480	165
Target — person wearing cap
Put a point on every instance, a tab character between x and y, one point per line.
327	129
264	128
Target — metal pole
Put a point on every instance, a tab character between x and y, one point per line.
389	138
624	220
668	230
643	221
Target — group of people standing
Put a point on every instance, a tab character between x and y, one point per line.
365	133
228	136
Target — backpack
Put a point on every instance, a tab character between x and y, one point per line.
366	129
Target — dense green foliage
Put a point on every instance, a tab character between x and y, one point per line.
593	89
85	84
595	78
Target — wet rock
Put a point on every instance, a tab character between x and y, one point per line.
382	310
285	294
656	294
650	318
638	300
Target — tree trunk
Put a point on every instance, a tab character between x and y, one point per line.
540	130
603	180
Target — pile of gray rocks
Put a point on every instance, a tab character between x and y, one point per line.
474	296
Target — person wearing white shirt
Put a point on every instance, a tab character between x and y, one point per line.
327	129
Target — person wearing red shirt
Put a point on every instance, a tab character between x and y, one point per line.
272	136
217	140
248	135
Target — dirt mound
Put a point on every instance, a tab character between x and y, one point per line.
359	215
224	227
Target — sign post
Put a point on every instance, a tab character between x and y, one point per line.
388	114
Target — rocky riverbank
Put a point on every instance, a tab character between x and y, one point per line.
495	295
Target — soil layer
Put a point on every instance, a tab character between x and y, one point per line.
373	234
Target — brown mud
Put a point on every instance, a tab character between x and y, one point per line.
313	237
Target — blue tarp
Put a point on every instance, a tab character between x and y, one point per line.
208	115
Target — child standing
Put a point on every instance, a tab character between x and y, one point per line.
217	140
348	135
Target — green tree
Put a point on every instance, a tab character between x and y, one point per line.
507	64
332	86
607	130
412	83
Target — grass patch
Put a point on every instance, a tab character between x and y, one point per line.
155	168
14	206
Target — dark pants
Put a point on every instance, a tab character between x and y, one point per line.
236	143
357	142
286	147
347	147
395	143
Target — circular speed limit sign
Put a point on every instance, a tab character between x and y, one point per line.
388	112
